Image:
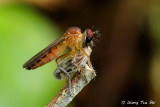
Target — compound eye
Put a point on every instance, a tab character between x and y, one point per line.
88	35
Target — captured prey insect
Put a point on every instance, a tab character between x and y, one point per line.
67	67
72	38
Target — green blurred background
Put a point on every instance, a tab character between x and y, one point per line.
127	58
23	32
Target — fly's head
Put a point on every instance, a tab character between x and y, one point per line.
89	36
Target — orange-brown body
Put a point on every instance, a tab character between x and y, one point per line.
72	38
50	56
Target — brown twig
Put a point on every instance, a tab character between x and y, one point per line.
63	97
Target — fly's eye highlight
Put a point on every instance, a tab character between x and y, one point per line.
88	35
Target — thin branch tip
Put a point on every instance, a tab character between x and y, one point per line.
63	97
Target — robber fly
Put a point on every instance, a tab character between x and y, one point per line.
67	67
72	38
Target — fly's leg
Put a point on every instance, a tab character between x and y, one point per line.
63	58
69	79
74	62
89	61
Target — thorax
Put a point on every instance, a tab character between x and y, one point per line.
74	40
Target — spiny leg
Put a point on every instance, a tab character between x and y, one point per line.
75	63
69	79
63	58
89	61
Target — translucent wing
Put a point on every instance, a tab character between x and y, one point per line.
36	59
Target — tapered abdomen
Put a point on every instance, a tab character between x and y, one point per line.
46	57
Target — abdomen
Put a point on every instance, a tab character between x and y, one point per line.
47	57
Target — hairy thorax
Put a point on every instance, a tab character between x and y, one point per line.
74	37
74	41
